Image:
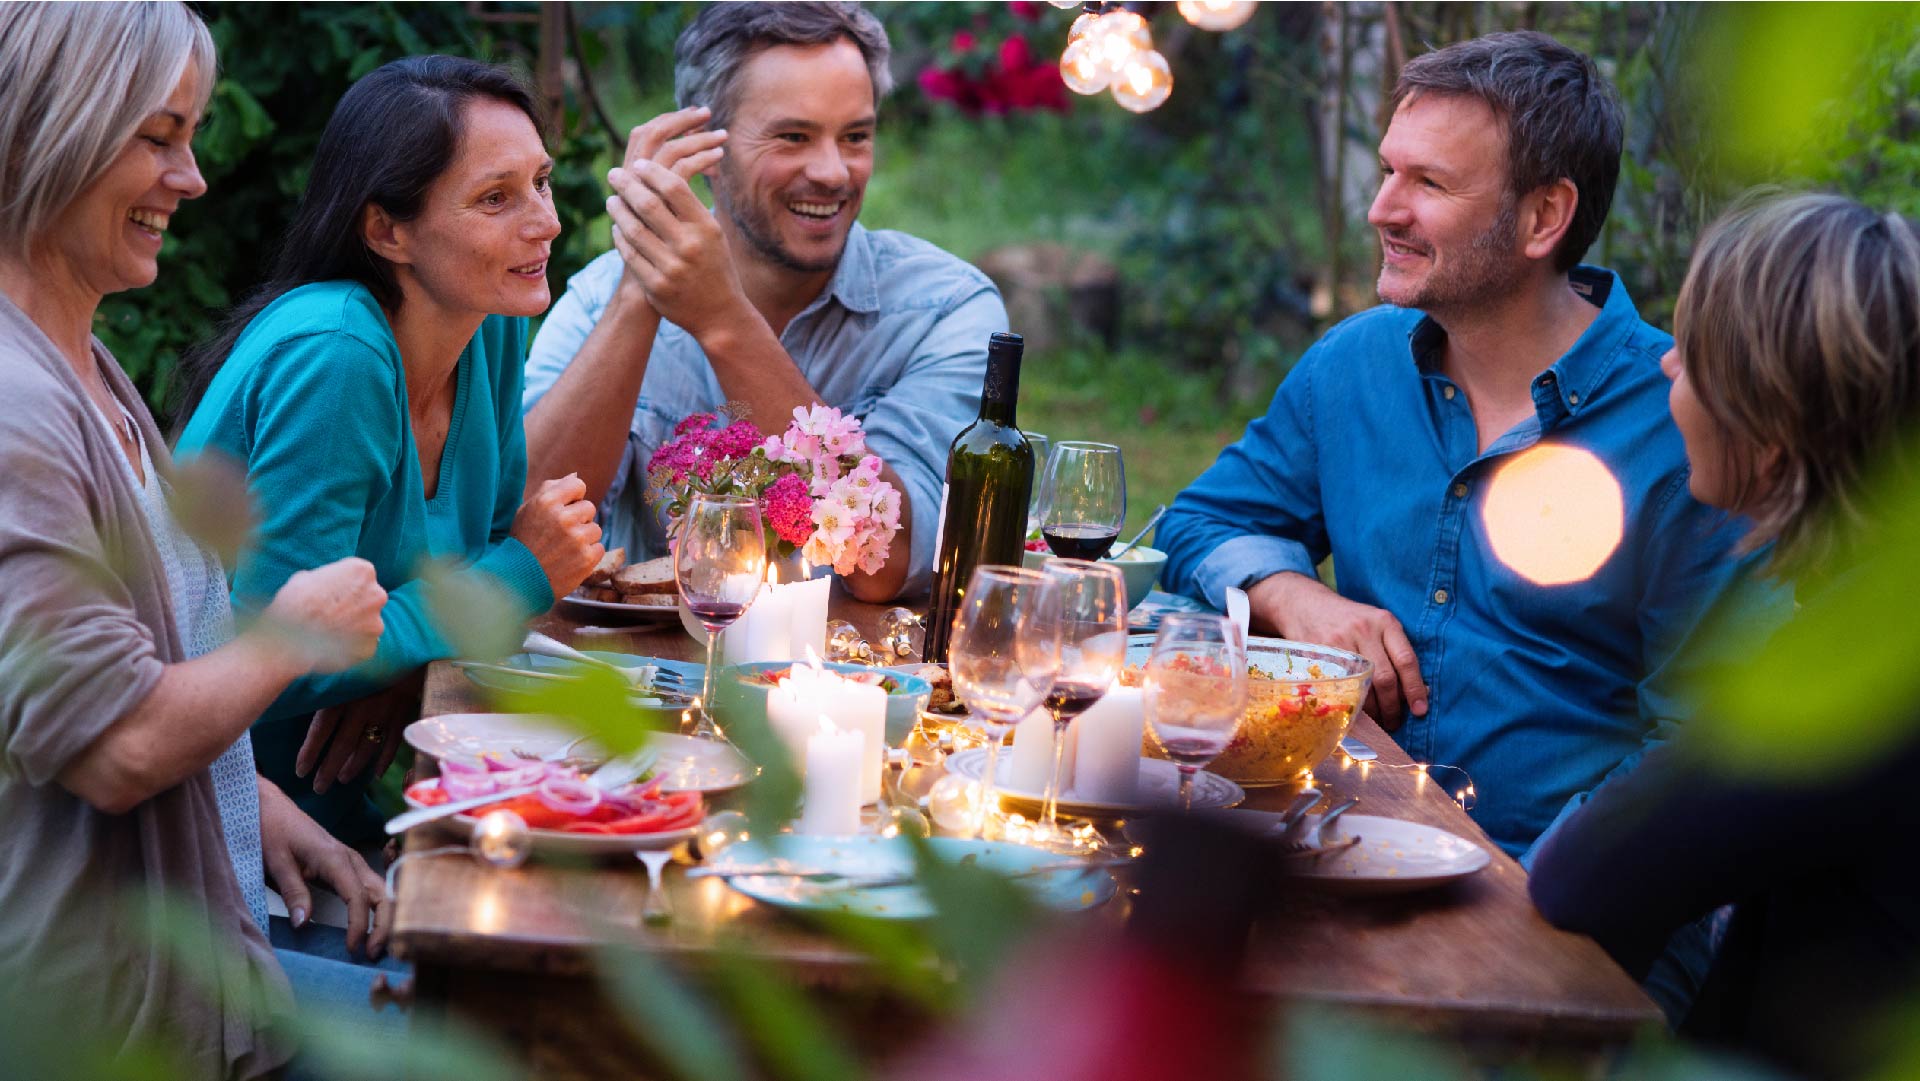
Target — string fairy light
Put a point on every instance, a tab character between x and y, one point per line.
1465	795
1110	47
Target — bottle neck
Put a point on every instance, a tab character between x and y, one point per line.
1001	392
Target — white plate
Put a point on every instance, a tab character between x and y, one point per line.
1066	890
1159	787
562	843
685	764
636	613
1393	856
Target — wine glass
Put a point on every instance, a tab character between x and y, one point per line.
719	558
1085	499
1093	649
1039	443
1195	691
1004	655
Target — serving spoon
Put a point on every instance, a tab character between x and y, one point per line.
1158	512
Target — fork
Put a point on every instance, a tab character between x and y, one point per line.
1318	846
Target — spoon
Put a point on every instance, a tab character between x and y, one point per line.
1158	512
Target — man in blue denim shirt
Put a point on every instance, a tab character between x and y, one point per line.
1489	458
777	298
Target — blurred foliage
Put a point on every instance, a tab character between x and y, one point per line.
282	71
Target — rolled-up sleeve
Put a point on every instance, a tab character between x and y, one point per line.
1256	511
914	423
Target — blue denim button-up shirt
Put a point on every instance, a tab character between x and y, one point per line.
898	338
1371	454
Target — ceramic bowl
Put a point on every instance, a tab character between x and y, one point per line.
1140	567
740	695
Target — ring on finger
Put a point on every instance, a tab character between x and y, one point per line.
374	734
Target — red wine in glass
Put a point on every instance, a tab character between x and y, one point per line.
716	615
1069	699
1075	541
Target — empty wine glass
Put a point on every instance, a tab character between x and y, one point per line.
719	558
1084	498
1039	443
1093	649
1195	691
1005	652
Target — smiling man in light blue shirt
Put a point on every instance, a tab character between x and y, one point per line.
1488	457
773	300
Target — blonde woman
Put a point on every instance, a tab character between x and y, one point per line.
125	773
1796	377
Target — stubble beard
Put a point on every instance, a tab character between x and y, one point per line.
1487	269
754	226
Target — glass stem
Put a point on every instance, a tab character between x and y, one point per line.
989	783
1050	809
1186	786
703	727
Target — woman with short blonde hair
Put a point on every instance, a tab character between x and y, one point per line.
1796	386
127	787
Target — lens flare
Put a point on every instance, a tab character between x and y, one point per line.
1554	514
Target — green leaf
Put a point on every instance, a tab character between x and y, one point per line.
796	1041
474	612
692	1038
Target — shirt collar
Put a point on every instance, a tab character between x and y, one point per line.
854	284
1580	370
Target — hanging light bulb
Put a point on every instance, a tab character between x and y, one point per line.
1064	4
1216	14
1081	69
1117	36
1080	26
1145	83
502	839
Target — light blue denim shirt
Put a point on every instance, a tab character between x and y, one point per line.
1371	454
898	338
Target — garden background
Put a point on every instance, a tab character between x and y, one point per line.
1167	268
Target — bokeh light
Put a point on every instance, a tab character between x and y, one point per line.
1554	514
502	839
1145	83
1216	14
1081	69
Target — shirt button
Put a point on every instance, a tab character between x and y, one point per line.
1573	399
1439	596
1460	491
1447	393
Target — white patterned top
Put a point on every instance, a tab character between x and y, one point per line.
203	617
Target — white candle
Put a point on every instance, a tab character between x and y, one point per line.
1106	764
832	789
1032	760
808	693
764	632
808	601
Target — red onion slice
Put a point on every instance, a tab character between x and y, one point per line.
520	776
467	785
569	796
464	766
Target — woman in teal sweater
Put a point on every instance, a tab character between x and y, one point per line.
371	391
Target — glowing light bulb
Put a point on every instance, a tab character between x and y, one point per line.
1144	84
1080	26
1081	69
1117	36
721	828
502	839
1216	14
897	821
1064	4
955	803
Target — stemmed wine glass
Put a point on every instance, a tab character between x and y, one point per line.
719	558
1085	499
1093	649
1039	443
1195	691
1003	657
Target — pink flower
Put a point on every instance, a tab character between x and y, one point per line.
736	440
963	40
694	422
788	509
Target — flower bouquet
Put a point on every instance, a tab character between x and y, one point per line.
820	491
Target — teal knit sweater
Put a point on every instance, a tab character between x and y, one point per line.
313	403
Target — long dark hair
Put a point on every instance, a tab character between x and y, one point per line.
392	135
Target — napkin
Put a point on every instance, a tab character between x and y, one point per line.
1238	609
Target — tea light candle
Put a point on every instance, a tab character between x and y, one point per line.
832	789
1107	740
808	693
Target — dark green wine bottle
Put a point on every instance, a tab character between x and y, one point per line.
983	508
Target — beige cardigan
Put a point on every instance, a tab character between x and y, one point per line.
86	628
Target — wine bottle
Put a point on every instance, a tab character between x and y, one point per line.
983	507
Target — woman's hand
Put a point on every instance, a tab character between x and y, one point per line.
355	733
296	850
556	524
330	616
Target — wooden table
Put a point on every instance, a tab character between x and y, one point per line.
1472	961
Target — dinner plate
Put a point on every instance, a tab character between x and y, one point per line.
1066	890
684	764
1159	787
1393	856
626	613
542	666
1155	606
562	843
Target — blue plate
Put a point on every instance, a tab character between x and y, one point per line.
1067	890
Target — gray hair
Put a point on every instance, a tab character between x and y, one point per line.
1799	327
710	52
1561	114
76	81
